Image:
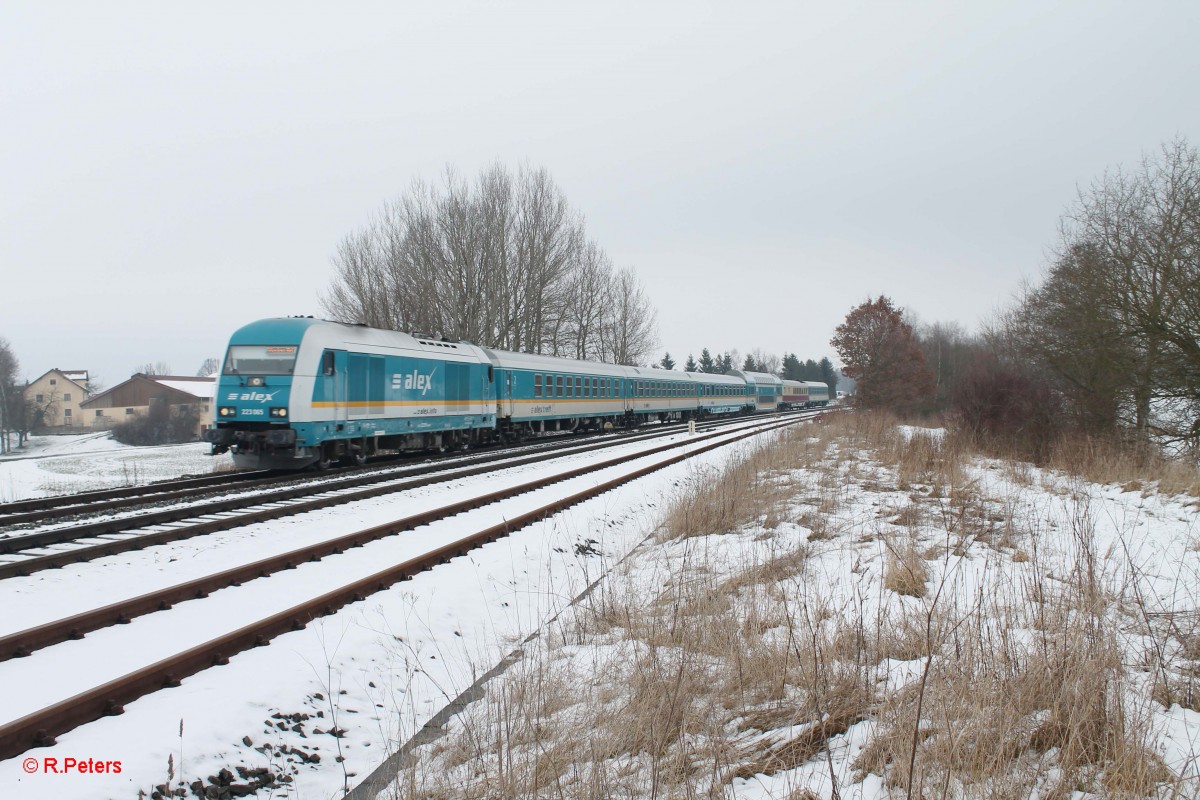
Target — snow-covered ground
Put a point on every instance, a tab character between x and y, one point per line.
53	465
376	670
1050	648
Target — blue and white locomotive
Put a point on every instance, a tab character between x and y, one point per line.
299	391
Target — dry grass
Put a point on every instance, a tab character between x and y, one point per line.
731	667
905	573
1109	461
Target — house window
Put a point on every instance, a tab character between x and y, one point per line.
67	413
99	413
53	381
37	398
128	411
66	397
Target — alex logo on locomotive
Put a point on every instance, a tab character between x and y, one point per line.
250	397
413	381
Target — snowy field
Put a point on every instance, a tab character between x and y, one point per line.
374	672
54	465
695	666
1044	630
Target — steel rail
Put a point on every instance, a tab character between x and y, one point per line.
11	513
28	566
39	728
43	508
23	643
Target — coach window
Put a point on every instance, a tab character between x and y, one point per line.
559	380
578	386
537	385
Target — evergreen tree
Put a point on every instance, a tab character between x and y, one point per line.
792	368
749	365
706	362
667	362
829	376
725	364
690	365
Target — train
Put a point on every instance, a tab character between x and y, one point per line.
297	391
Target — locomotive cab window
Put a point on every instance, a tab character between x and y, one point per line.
327	366
259	359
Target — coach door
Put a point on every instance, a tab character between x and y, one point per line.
487	377
332	386
503	381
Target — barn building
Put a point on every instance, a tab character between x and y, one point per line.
153	394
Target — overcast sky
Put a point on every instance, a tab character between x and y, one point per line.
171	171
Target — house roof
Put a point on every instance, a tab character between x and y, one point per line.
196	388
76	376
203	388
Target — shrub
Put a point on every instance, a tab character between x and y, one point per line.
177	426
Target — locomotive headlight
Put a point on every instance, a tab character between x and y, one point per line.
227	411
279	412
256	382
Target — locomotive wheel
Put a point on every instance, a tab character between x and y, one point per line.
326	459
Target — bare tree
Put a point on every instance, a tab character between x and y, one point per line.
766	362
588	291
1117	318
211	366
10	394
949	351
157	368
630	329
503	262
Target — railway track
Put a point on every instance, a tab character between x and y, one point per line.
42	509
40	727
25	554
